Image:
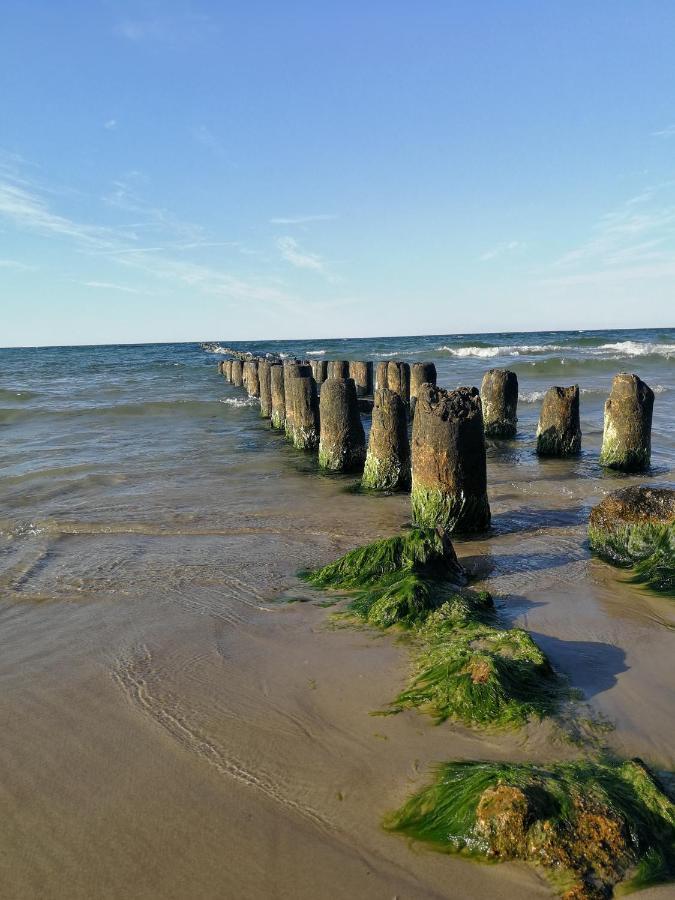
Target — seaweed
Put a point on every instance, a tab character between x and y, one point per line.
600	823
648	549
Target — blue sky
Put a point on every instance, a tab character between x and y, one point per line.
202	170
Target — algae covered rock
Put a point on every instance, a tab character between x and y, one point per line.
449	475
627	435
635	527
559	428
387	466
592	825
499	396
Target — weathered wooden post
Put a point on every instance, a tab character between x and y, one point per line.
627	436
237	373
398	379
302	407
342	444
338	368
387	466
380	375
265	384
499	396
559	429
361	371
220	367
420	373
449	475
319	370
277	396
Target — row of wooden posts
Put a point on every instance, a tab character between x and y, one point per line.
318	405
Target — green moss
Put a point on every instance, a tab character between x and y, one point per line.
614	456
648	549
384	475
601	822
477	674
454	512
277	421
552	443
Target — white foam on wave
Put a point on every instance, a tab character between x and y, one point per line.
238	402
506	350
316	353
531	396
635	348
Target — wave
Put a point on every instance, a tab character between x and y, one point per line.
316	353
486	352
237	402
592	350
635	348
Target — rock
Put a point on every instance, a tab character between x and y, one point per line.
277	397
398	379
559	430
449	477
503	817
237	373
627	437
342	445
302	408
420	373
361	371
387	466
265	384
499	396
338	368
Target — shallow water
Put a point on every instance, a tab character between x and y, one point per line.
171	727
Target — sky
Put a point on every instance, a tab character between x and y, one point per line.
179	171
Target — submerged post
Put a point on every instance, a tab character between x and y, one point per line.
302	407
559	429
237	373
499	396
277	396
265	384
449	477
338	368
227	370
627	436
387	466
251	380
398	379
361	371
420	373
342	445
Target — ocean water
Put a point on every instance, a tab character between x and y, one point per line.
162	701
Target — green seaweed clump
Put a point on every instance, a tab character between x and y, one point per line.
647	548
592	825
479	675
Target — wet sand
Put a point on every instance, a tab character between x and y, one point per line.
173	728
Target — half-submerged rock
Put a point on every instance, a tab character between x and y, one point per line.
420	373
635	527
387	466
302	408
627	437
277	397
342	444
398	379
559	429
499	396
338	368
265	386
449	477
362	373
237	373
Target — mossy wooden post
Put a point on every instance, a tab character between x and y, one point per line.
380	376
627	436
338	368
319	370
277	396
361	371
302	407
237	373
398	379
420	373
387	466
559	429
264	380
342	444
449	477
499	396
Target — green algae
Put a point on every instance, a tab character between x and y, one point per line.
596	823
614	455
646	548
385	475
455	512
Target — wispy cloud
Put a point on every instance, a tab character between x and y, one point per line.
110	286
110	124
303	220
500	250
293	254
166	29
15	264
665	132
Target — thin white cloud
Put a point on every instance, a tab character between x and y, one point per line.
303	220
15	264
110	124
500	250
665	132
293	254
110	286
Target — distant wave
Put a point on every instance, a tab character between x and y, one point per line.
214	348
619	350
634	348
482	352
316	353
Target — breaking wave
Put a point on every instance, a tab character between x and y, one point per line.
238	402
